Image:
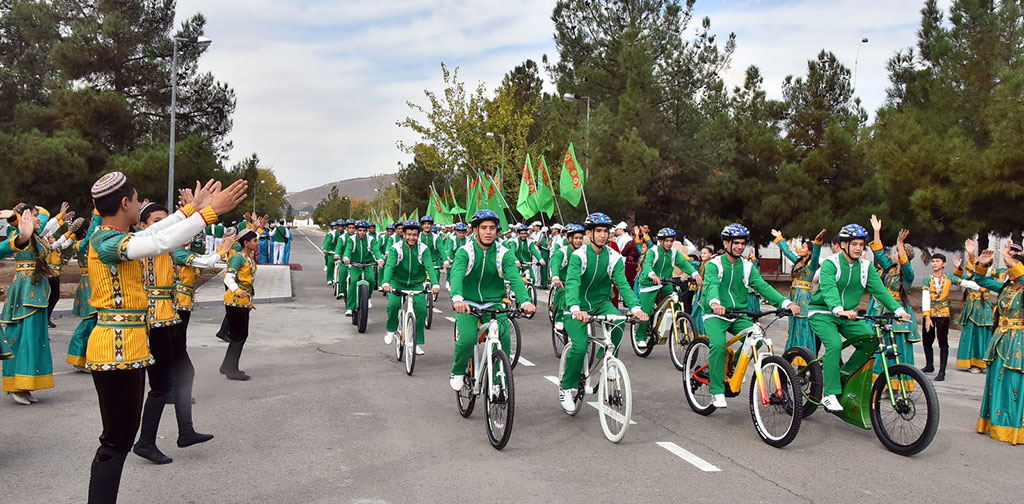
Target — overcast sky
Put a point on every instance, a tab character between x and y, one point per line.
320	83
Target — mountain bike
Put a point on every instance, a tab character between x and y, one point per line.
670	324
900	405
361	311
615	396
776	398
490	375
405	341
514	333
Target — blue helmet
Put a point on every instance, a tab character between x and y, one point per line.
484	215
426	218
571	229
412	225
666	233
853	232
733	231
521	227
460	226
391	226
350	221
362	224
597	219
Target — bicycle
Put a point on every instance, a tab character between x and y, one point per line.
670	324
527	274
891	404
551	305
361	311
776	397
405	341
514	333
339	285
498	387
615	396
558	338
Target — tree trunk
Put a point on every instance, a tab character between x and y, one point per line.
982	240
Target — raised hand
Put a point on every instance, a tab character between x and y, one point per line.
185	197
985	259
904	233
876	223
63	209
821	235
957	262
225	200
227	243
971	247
69	215
203	194
6	214
776	233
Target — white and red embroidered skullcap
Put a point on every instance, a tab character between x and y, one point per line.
107	184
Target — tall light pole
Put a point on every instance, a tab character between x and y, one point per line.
201	43
856	59
346	198
255	193
399	196
501	170
380	214
574	97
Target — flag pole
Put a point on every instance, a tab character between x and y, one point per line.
507	207
557	206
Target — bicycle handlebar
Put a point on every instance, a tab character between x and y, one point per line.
362	265
404	292
759	314
883	318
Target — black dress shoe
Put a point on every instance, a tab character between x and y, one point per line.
151	453
51	324
192	438
237	375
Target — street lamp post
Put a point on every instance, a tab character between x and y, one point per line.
502	169
574	97
399	196
202	43
255	193
856	59
346	198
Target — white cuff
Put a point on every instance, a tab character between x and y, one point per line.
714	302
457	299
385	284
574	308
695	275
435	286
836	310
900	312
636	310
651	275
555	278
786	303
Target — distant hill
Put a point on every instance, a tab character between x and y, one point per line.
360	188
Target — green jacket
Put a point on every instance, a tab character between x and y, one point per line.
659	262
478	274
407	268
280	234
433	241
523	249
842	284
341	243
560	262
329	240
728	283
589	277
359	251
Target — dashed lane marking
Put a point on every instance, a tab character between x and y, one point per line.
450	319
682	453
523	361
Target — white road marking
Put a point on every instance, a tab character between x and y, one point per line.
437	311
523	361
552	379
682	453
450	319
614	414
313	244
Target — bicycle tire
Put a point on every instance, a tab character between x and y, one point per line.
363	311
515	342
430	311
561	371
622	395
464	398
409	338
399	343
696	377
551	305
790	404
558	341
533	294
922	387
495	411
633	342
684	332
811	377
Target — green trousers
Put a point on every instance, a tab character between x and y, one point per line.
577	353
419	307
468	326
716	331
831	330
544	275
329	261
354	275
559	305
647	305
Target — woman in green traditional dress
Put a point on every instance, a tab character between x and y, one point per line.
697	312
15	241
975	322
24	315
805	264
898	276
83	309
1002	407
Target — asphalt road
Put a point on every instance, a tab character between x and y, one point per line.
329	416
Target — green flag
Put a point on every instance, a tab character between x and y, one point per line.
494	201
571	182
545	193
472	195
526	204
438	209
455	208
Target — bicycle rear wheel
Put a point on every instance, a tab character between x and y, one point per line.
551	305
616	401
811	378
464	398
430	310
777	415
558	340
644	352
501	400
697	377
515	339
907	424
409	339
682	334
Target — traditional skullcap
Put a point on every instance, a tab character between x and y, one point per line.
107	184
141	210
246	234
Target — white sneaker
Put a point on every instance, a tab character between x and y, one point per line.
718	401
641	344
831	403
559	326
19	397
369	303
348	313
456	382
325	268
419	350
389	337
565	397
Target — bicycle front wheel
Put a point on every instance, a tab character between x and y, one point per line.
682	334
363	311
409	339
515	339
551	305
464	398
904	410
640	352
501	400
558	340
430	310
776	402
811	378
616	401
533	294
399	343
697	377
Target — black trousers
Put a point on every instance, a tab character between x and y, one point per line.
51	302
120	395
238	322
940	329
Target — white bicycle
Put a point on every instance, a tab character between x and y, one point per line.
615	396
405	341
490	375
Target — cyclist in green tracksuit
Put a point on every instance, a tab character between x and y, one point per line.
408	267
433	242
728	279
339	251
359	250
560	269
843	278
478	274
588	290
659	263
525	250
328	249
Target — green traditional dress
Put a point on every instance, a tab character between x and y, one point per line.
906	332
801	291
27	333
1002	407
976	325
6	249
696	311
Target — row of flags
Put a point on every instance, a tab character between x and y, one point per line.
536	195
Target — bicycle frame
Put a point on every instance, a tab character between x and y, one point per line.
668	306
752	338
601	343
487	337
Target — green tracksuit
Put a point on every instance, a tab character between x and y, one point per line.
559	270
358	251
660	263
840	288
525	251
728	283
588	287
328	247
407	269
477	276
340	244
